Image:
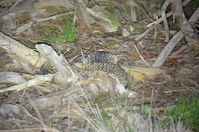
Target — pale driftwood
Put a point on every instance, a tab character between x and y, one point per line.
172	43
11	77
58	61
28	58
35	81
65	73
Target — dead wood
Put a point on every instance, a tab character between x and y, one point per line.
11	77
166	26
167	49
28	59
65	73
163	18
35	81
167	15
172	43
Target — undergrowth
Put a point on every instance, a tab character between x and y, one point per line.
113	114
187	109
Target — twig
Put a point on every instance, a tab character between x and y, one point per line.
121	46
140	55
54	17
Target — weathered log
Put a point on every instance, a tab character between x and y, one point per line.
28	58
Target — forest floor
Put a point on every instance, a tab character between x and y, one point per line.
52	107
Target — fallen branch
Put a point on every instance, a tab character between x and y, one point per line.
26	57
35	81
11	77
172	43
167	49
65	73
